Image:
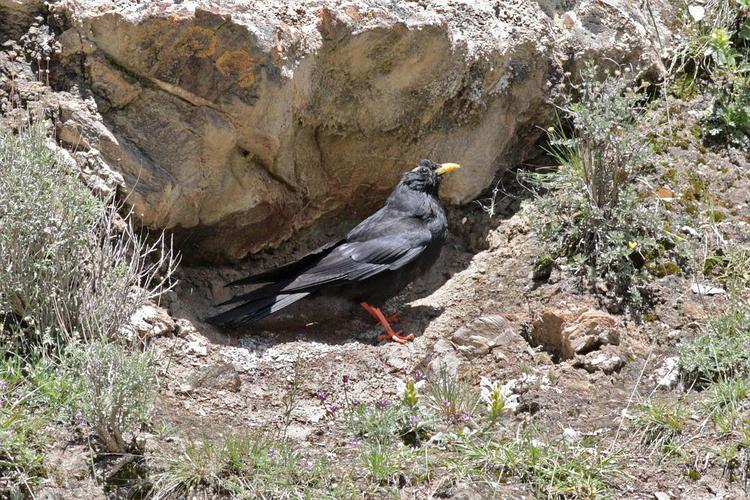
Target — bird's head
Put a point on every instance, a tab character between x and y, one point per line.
426	176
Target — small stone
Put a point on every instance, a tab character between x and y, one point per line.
398	359
600	361
707	289
198	348
571	435
222	376
152	321
569	20
689	231
184	327
444	358
668	374
660	495
478	337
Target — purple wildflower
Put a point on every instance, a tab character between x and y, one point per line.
80	419
331	409
345	378
465	419
446	404
3	385
414	420
418	376
383	404
322	395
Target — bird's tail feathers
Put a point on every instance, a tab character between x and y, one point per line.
255	310
270	290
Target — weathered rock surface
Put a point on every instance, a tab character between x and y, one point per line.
236	123
147	322
483	334
567	333
606	360
221	376
16	16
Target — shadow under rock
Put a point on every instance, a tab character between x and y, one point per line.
327	320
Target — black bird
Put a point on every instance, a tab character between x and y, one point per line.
374	262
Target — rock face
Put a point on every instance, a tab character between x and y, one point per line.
235	123
567	333
16	16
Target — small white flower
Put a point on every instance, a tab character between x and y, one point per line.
401	386
488	387
697	12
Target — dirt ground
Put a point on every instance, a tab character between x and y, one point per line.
482	311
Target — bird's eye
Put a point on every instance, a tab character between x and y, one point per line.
424	170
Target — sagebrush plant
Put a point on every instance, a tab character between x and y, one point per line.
591	213
118	391
70	267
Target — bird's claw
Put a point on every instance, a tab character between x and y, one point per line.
396	337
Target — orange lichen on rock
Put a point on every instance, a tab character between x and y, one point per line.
198	42
237	64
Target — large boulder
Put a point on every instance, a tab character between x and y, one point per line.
16	16
236	123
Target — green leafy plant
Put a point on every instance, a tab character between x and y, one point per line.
590	213
719	352
715	56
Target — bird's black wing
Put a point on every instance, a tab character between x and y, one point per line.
289	270
349	262
360	260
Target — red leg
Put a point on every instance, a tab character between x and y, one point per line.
393	318
382	320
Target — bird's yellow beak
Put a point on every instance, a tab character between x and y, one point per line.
447	167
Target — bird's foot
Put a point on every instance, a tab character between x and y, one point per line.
383	321
393	318
396	337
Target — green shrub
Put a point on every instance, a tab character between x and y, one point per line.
21	462
720	352
32	395
661	424
593	216
118	391
68	267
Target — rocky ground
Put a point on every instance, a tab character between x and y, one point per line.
573	370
